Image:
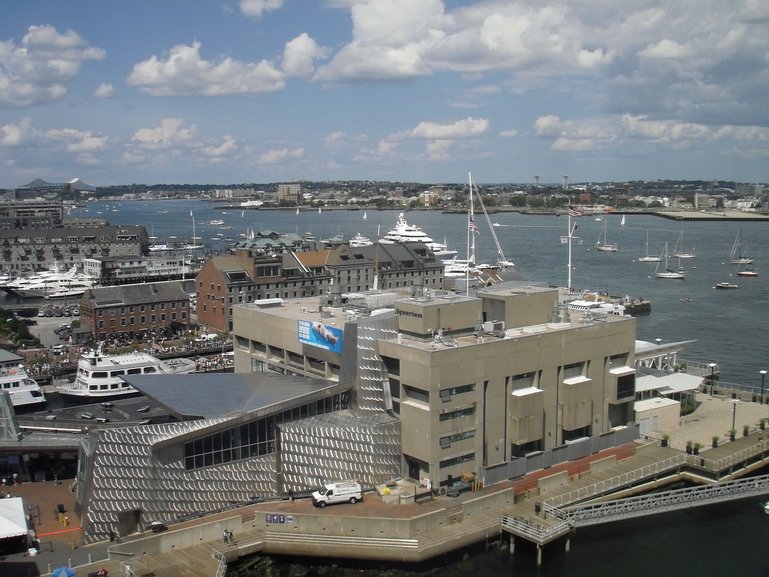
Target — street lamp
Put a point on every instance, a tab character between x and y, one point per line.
762	372
712	376
734	417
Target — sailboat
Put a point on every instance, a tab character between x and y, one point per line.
668	272
365	216
502	261
736	256
605	246
622	222
648	257
679	251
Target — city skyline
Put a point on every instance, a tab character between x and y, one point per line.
396	90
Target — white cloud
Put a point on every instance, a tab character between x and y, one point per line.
17	134
220	151
38	69
184	72
300	54
465	128
104	90
334	139
279	155
257	8
508	134
170	134
78	141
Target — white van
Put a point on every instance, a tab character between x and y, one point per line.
341	492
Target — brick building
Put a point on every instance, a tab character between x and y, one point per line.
129	310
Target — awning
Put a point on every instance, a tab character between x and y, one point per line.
13	523
526	391
668	384
622	371
576	380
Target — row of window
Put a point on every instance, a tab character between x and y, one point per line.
253	439
143	320
142	308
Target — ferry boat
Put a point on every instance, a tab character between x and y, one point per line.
597	307
99	376
14	380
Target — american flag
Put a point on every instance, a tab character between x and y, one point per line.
473	226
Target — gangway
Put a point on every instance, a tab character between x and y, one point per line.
557	522
652	504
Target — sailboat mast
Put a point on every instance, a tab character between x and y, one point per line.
470	237
569	235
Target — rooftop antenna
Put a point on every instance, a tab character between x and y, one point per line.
566	181
536	181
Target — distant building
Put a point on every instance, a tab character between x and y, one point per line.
290	193
136	269
34	249
129	310
39	188
225	281
31	214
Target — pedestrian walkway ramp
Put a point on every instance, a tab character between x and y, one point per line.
673	500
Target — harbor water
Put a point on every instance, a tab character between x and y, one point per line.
727	325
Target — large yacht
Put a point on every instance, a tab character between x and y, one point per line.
99	375
50	283
14	380
405	232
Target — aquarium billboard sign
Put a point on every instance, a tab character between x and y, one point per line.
319	335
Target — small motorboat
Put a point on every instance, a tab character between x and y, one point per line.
726	285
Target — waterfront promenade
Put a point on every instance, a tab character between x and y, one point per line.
375	529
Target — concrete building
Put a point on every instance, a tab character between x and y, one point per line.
129	310
431	387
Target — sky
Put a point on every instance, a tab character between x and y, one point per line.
238	91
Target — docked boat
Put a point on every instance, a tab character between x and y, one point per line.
99	376
405	232
596	307
50	283
668	272
736	256
251	204
14	380
359	240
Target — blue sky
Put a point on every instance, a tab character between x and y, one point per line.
167	91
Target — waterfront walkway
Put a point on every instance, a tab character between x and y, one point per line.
407	532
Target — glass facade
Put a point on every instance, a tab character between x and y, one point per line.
253	439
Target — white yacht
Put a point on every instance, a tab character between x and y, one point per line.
50	283
360	240
99	376
596	307
14	380
405	232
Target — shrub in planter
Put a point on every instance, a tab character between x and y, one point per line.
665	440
696	448
715	441
745	430
689	447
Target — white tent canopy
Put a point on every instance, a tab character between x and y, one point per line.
13	523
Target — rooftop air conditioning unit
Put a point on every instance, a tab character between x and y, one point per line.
494	326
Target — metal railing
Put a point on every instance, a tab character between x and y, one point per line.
613	483
675	499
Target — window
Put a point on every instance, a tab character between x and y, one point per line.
416	394
457	414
